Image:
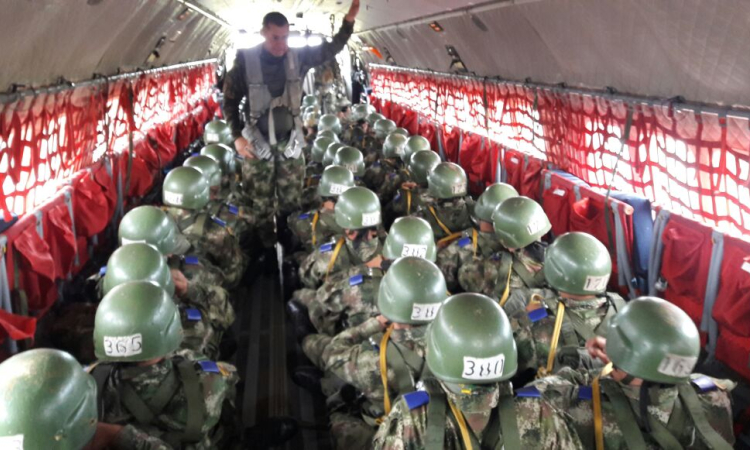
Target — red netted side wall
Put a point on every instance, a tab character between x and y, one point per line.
48	137
694	163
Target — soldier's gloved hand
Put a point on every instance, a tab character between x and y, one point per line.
180	283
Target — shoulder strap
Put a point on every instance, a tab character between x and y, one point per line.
708	435
506	260
405	363
253	72
524	274
624	416
439	222
101	373
334	257
508	422
314	226
436	414
196	407
199	226
408	202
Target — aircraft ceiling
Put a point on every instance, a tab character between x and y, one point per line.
665	48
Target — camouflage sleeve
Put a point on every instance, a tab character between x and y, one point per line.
214	301
131	438
313	269
717	405
478	276
448	262
314	56
235	89
541	425
402	429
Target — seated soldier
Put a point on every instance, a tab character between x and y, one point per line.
218	132
352	159
383	357
402	130
230	190
139	381
519	224
353	134
477	243
315	167
413	194
314	227
552	326
449	211
647	396
185	194
357	212
349	297
385	175
368	143
469	403
205	314
49	403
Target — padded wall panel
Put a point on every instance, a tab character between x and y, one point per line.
665	48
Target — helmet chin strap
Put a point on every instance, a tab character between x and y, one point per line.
645	399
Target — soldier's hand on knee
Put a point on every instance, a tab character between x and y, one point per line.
244	148
180	282
596	347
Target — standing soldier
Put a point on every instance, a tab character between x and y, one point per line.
270	77
469	403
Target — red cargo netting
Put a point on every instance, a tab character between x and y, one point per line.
696	164
46	138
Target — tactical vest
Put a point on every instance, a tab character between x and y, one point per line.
260	98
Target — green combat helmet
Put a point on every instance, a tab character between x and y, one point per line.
331	153
135	322
221	153
519	222
412	291
413	145
491	198
319	148
309	100
334	181
48	402
329	122
393	146
359	112
410	236
384	127
446	181
357	208
470	341
150	225
137	262
207	166
402	131
352	159
577	263
373	117
654	340
217	132
421	165
328	134
311	119
186	188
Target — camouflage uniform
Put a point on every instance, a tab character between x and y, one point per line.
569	390
345	300
406	202
490	275
197	269
540	425
315	268
215	241
206	315
464	250
131	438
533	313
216	383
384	177
324	228
455	215
238	219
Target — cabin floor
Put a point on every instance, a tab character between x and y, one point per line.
267	351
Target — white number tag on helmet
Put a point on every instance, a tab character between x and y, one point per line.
338	188
677	366
123	346
212	137
420	251
459	189
596	284
483	368
535	226
172	198
424	311
370	219
14	442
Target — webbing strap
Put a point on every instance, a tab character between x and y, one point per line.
408	202
465	436
597	400
450	238
508	422
384	369
708	323
314	226
195	404
714	440
624	416
334	257
656	251
135	404
5	298
440	223
69	204
506	291
474	240
555	339
436	414
624	271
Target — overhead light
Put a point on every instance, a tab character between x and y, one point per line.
457	65
436	27
297	41
314	40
